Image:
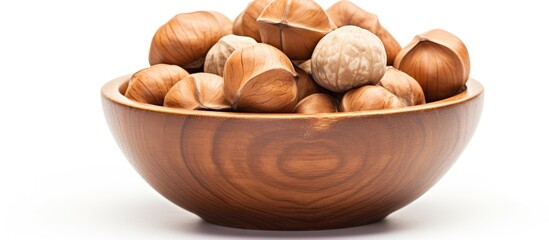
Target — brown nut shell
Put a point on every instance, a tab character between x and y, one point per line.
151	84
199	91
260	78
186	39
246	23
347	13
294	26
305	84
369	98
439	61
403	86
225	22
316	103
220	52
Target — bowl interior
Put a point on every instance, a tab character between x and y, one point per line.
115	89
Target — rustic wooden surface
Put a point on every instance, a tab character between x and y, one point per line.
292	172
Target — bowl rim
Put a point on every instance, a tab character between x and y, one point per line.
112	91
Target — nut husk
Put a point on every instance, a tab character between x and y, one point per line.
347	13
151	84
199	91
246	23
260	78
369	98
439	61
186	39
316	103
218	54
294	26
347	58
403	86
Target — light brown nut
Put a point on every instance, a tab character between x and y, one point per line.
347	58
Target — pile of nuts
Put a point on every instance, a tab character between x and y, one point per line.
282	56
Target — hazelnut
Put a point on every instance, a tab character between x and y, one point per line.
347	58
223	21
186	39
439	61
218	54
316	103
294	26
347	13
260	78
369	98
199	91
246	23
305	84
151	84
403	86
395	90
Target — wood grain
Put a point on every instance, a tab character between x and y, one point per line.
292	171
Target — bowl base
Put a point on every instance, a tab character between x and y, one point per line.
294	227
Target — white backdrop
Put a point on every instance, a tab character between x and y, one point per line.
62	175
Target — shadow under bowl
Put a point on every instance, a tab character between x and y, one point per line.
290	171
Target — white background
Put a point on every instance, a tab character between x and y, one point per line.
62	175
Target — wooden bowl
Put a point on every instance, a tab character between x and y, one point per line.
289	171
